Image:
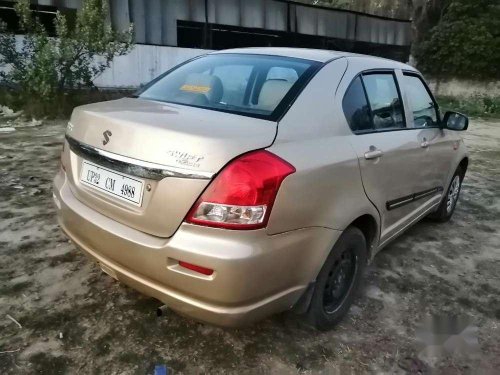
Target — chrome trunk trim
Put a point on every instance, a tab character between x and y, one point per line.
133	167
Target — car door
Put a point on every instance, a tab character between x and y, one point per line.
390	154
424	117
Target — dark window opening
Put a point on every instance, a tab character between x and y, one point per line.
192	34
46	15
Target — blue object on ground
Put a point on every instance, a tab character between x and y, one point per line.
161	370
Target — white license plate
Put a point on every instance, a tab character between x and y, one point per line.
116	184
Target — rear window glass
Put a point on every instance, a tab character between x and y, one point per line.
251	85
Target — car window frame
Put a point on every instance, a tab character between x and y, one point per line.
400	94
427	88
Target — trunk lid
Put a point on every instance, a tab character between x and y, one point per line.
194	141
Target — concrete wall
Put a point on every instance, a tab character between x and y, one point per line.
140	66
464	88
143	64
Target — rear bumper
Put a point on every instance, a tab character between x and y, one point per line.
255	274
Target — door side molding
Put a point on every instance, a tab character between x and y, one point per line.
403	201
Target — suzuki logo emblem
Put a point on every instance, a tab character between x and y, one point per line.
106	135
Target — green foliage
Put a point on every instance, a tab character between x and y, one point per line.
475	106
387	8
43	67
465	43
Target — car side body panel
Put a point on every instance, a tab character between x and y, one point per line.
406	167
326	191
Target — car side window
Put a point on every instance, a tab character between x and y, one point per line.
385	102
356	109
423	106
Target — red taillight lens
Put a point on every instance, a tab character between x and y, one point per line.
242	195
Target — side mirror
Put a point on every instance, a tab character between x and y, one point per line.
455	121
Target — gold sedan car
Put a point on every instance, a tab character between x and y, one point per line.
247	182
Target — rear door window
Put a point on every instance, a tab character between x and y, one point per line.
373	103
385	102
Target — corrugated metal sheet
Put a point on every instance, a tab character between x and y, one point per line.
156	20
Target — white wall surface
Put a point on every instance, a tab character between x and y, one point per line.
143	64
140	66
458	88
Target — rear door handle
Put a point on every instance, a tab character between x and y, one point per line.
373	154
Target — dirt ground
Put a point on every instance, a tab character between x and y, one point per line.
75	319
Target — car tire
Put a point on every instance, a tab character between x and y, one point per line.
338	280
449	203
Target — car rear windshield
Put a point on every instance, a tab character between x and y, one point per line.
252	85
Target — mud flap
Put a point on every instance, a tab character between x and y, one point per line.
304	301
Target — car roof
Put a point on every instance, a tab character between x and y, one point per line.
319	55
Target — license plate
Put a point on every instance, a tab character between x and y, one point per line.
116	184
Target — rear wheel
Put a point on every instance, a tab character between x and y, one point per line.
338	280
447	206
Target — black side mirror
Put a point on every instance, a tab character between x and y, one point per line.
455	121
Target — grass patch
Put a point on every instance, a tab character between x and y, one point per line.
474	106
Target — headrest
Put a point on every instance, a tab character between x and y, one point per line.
272	92
198	84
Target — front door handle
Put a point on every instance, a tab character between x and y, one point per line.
424	143
374	153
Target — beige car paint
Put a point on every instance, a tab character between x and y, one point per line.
165	134
257	272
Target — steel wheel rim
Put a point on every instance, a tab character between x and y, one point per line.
340	281
453	194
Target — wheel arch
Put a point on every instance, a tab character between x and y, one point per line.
463	165
368	225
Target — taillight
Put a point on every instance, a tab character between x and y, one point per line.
242	195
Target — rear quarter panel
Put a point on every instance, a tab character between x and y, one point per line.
326	190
